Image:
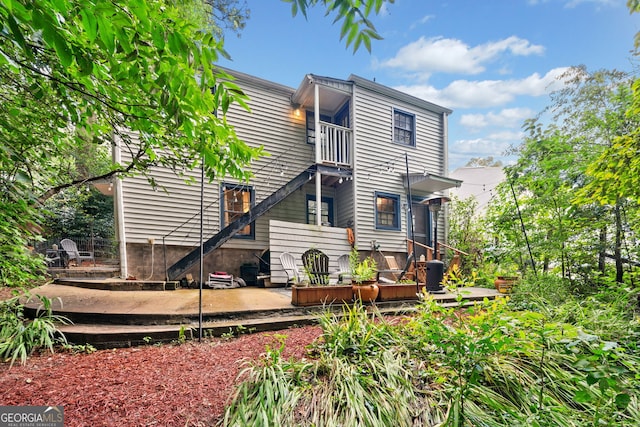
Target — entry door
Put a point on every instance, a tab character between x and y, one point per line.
422	228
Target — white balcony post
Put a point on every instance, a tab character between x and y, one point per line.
318	140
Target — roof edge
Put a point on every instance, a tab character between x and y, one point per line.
395	93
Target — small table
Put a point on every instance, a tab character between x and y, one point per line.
421	273
56	258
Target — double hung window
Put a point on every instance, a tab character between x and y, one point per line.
404	128
238	200
387	211
326	210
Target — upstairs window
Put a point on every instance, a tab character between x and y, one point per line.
404	128
237	201
387	211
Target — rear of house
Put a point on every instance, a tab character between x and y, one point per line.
339	155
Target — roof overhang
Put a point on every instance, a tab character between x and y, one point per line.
335	93
430	183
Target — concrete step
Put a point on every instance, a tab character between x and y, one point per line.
115	336
102	336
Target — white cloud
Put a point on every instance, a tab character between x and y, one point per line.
462	150
507	136
486	93
495	145
508	117
427	56
573	3
480	147
421	21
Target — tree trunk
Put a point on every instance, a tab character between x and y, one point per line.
602	250
618	249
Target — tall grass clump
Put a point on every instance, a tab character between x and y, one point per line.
20	336
269	391
363	373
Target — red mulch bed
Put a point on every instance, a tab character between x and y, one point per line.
182	385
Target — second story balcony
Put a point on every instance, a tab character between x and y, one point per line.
336	145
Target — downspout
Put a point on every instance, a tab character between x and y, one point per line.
410	225
445	162
354	162
118	201
318	139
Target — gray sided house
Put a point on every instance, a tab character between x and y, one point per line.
339	151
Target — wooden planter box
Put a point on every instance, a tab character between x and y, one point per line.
398	291
320	295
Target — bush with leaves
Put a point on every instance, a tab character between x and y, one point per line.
19	267
20	336
456	366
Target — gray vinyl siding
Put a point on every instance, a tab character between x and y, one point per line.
344	201
376	152
330	240
156	214
270	123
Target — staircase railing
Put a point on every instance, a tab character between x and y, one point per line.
429	249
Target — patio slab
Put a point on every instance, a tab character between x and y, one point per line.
108	318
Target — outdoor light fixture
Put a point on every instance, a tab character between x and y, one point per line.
296	109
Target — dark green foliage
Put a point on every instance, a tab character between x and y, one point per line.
79	212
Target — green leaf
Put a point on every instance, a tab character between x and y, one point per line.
6	60
622	400
85	65
158	37
90	24
17	33
105	31
62	49
582	396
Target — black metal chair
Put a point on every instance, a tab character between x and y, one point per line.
316	265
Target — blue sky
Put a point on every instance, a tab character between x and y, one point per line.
493	62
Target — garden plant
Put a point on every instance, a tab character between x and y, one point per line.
511	361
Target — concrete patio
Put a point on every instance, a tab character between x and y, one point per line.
116	318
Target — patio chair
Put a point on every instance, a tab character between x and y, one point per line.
344	269
454	263
316	265
73	253
289	265
393	269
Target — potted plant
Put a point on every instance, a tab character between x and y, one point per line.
317	289
363	277
506	277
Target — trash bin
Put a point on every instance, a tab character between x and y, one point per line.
249	273
435	274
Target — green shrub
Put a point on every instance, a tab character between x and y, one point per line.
487	365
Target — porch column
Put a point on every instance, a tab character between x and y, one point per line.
318	139
118	202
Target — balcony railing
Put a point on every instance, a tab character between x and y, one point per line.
336	146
